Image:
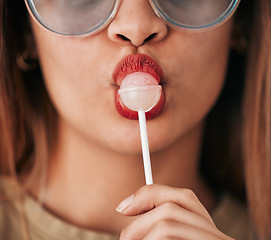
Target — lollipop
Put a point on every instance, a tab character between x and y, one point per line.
141	95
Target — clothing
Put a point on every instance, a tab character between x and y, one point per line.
229	216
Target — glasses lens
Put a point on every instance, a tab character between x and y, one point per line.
195	13
72	17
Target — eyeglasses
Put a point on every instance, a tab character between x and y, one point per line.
80	17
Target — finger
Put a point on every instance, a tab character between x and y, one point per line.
151	196
173	230
167	212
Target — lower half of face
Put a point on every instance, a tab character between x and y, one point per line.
78	76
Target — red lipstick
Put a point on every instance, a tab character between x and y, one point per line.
132	64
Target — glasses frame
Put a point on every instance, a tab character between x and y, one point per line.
223	18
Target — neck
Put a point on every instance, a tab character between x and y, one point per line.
86	182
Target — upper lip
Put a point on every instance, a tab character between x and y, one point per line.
137	63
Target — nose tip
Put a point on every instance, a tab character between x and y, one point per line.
137	24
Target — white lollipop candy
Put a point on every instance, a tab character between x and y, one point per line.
142	99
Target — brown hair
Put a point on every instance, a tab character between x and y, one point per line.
26	113
257	123
28	119
241	120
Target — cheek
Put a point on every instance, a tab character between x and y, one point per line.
208	69
195	76
73	73
77	84
202	66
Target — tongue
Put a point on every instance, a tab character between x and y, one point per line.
140	91
138	79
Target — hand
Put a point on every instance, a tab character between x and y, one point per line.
167	213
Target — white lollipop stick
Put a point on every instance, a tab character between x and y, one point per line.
145	147
142	99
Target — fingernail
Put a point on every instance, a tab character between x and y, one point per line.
125	204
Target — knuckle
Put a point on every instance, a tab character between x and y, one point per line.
168	208
125	235
163	229
147	194
147	189
189	194
129	233
163	225
166	213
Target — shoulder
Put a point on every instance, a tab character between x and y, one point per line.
10	224
28	217
231	217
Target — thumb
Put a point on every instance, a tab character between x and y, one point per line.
141	201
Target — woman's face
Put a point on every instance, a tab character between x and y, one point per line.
78	76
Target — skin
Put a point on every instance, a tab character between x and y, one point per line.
95	146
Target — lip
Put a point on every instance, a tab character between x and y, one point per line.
138	63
